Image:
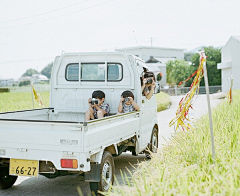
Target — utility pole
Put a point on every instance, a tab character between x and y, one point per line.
151	41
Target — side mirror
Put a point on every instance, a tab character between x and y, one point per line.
159	76
157	88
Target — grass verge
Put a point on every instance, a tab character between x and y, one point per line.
185	166
163	101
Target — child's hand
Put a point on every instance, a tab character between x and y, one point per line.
144	81
122	99
153	84
130	99
89	100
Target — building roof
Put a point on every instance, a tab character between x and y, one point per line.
40	76
148	47
159	59
236	37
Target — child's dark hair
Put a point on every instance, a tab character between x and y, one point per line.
150	73
127	94
98	94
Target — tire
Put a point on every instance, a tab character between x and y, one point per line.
107	171
153	143
6	181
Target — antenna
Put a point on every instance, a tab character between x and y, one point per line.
135	38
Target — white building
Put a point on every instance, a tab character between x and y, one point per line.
156	56
156	65
36	78
230	64
6	82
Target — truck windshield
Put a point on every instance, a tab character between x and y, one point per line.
94	72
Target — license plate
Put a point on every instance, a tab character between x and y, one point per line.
21	167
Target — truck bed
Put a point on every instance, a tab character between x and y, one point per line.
37	138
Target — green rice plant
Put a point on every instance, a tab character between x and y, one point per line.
184	166
163	101
14	101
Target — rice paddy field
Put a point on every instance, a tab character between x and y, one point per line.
21	99
185	166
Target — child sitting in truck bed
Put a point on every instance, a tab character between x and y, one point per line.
127	103
97	107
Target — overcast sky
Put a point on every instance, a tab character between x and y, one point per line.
33	32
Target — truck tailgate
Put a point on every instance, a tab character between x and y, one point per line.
39	140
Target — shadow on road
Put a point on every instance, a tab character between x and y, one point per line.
67	185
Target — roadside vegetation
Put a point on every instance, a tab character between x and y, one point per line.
163	101
180	70
184	166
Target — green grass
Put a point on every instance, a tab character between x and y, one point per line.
163	101
21	101
185	166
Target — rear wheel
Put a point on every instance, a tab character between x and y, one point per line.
107	171
6	181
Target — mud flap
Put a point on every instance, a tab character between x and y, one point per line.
94	174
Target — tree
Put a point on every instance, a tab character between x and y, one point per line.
25	83
188	56
47	70
30	72
178	71
213	58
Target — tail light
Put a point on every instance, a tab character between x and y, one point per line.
69	163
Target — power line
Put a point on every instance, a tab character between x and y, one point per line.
13	20
58	16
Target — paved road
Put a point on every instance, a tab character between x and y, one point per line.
68	185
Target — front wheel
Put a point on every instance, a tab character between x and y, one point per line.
153	142
6	181
107	171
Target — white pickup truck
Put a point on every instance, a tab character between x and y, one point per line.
56	141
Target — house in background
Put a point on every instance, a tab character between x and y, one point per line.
230	64
35	78
156	57
156	65
6	82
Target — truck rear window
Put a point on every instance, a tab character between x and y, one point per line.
94	72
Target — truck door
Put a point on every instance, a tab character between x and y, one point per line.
147	113
147	119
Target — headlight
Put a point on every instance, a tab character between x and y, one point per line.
2	151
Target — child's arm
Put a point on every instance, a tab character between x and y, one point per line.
135	105
90	106
120	106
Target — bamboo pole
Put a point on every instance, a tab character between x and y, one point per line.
209	106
